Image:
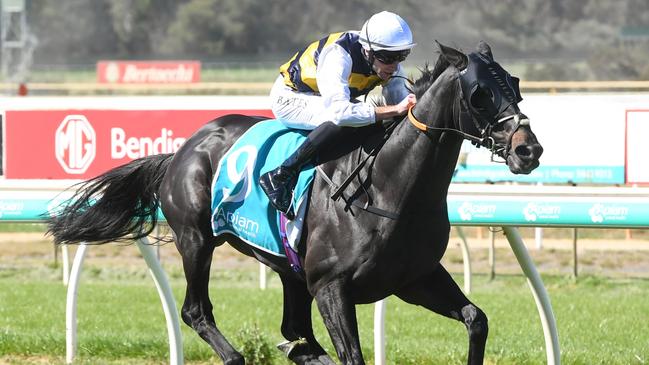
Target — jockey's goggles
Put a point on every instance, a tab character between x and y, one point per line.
390	57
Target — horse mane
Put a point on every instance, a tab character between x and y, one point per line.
429	76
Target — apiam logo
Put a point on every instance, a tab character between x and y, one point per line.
468	211
600	212
9	208
76	144
533	211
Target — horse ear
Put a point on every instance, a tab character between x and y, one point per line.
484	49
453	56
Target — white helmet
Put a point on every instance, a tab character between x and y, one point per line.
386	31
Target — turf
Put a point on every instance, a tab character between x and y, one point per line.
600	321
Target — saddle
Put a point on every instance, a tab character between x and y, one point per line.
240	207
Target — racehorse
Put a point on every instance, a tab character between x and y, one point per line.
350	255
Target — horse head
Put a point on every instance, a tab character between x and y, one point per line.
485	107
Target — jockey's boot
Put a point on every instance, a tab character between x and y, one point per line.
278	184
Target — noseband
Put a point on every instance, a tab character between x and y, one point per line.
485	139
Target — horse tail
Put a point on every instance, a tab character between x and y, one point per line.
109	207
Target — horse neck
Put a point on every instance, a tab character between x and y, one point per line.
424	162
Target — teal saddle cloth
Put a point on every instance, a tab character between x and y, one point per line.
239	205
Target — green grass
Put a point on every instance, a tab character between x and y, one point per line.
600	321
22	227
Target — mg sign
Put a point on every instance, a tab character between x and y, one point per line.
75	144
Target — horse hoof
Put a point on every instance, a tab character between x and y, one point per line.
236	359
300	352
288	346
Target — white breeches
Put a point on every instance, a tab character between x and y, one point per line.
296	110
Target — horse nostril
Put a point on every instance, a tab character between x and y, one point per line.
529	151
523	151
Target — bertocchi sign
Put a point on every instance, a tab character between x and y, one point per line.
148	72
81	144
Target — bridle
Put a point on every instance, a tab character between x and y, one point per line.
469	120
485	139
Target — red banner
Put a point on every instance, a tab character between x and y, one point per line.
148	72
80	144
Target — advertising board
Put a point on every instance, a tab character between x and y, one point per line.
637	148
80	144
148	72
583	136
587	138
2	157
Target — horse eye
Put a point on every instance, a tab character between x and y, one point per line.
482	98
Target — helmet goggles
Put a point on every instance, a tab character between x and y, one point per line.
390	57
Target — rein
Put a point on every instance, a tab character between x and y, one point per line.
425	128
485	138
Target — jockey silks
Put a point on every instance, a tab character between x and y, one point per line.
300	71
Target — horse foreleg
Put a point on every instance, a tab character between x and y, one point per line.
339	314
301	346
197	308
439	293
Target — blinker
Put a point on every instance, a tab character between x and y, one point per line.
487	88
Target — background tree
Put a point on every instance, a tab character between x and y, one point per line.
557	39
72	31
141	25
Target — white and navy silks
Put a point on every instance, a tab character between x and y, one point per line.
322	82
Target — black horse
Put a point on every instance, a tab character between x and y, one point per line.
349	255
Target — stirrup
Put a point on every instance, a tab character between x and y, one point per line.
288	212
280	195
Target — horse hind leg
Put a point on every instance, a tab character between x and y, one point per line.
196	251
439	293
301	346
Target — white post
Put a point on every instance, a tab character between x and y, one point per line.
575	270
71	305
167	299
66	264
263	282
538	237
164	291
492	254
466	260
540	295
379	332
538	232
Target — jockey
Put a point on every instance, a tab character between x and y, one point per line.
317	90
